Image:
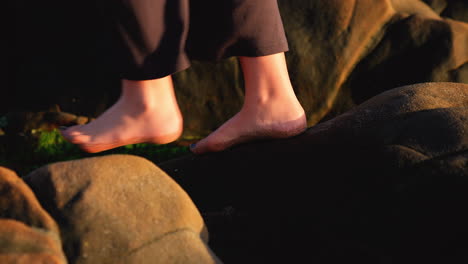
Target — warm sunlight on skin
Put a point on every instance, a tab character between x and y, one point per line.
147	111
270	110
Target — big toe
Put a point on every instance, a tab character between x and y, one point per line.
75	137
208	145
72	131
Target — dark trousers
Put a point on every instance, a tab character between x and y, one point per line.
156	38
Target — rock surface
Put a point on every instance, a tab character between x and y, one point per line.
121	209
413	49
25	122
383	183
28	235
455	9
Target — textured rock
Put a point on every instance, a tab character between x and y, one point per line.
121	209
369	60
410	43
181	246
24	122
20	243
415	7
28	235
383	183
430	118
455	9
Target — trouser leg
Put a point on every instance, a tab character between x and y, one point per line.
225	28
151	36
158	37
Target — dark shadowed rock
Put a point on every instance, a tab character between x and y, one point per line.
28	235
21	244
383	183
437	5
414	49
455	9
24	122
416	7
121	209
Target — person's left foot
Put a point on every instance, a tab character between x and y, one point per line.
274	120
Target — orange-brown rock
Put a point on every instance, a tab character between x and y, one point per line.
455	9
25	122
19	203
28	235
121	209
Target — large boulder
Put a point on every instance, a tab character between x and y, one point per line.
414	48
455	9
28	235
382	183
341	53
121	209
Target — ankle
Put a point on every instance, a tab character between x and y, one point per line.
267	80
148	95
264	93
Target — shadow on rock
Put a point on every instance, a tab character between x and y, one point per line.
382	183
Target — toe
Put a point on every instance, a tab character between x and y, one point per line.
200	147
65	134
71	133
206	145
74	130
74	137
195	148
80	139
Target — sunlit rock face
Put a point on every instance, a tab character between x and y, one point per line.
121	209
28	235
455	9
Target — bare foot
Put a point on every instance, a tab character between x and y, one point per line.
254	124
146	112
271	108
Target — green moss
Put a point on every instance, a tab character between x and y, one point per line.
45	147
3	121
52	146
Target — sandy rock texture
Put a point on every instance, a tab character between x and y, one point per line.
28	235
121	209
455	9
